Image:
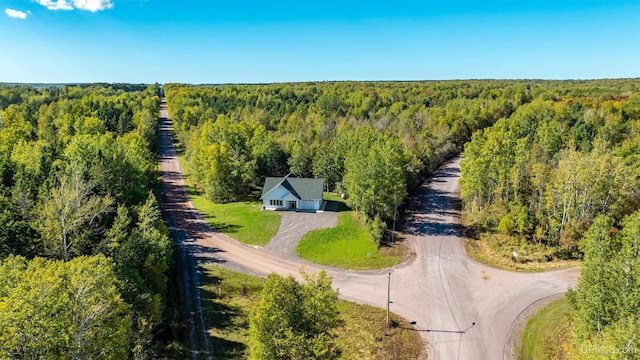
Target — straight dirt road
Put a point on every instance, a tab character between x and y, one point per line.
463	309
178	213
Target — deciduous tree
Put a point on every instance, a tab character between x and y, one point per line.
71	206
295	321
62	310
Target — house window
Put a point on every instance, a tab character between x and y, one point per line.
275	202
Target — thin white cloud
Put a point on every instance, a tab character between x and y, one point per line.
87	5
16	14
93	5
55	5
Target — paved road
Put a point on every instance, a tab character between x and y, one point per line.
441	289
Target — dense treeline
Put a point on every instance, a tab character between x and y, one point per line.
563	172
606	301
373	142
544	173
76	166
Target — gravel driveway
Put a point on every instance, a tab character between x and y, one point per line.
293	227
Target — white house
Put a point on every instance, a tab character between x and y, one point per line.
292	193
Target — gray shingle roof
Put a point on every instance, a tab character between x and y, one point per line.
301	188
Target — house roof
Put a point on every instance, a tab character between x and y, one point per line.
301	188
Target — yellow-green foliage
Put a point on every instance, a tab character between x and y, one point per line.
62	310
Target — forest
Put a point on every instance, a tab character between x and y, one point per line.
541	158
552	166
374	142
563	173
544	173
85	253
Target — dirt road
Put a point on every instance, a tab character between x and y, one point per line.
464	309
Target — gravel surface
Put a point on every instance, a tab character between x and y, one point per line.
293	227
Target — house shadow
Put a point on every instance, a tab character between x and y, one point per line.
335	206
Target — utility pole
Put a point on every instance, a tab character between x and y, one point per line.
388	299
389	294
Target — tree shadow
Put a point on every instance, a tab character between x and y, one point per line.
226	228
222	318
205	254
432	204
433	228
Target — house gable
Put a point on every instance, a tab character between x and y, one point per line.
280	193
298	188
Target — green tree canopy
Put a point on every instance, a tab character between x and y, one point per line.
293	320
62	310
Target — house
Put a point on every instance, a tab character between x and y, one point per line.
292	193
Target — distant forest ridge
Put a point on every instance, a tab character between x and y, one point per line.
123	86
107	84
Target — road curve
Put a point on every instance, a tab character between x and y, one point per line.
442	290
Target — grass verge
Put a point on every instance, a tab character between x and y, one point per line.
497	251
242	220
229	296
348	245
365	334
547	332
227	299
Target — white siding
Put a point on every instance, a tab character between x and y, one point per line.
266	203
282	198
305	204
278	199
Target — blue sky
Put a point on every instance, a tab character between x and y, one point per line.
261	41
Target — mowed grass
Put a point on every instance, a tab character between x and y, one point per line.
547	332
229	296
242	220
348	245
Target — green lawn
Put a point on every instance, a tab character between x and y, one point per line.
348	245
546	332
242	220
332	196
229	296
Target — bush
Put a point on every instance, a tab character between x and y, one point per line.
377	227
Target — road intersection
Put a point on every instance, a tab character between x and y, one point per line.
463	309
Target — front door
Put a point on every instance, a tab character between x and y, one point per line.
292	205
